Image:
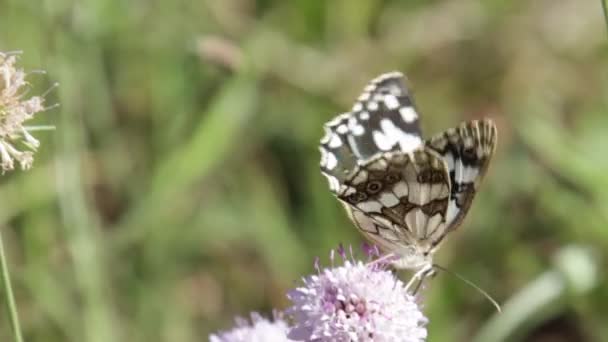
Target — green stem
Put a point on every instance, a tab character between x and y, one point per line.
605	10
11	306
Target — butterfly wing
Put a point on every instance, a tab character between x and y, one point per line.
402	193
467	151
382	119
399	200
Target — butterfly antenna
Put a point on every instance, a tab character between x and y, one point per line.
471	284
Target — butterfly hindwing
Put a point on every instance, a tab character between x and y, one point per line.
467	151
382	119
399	198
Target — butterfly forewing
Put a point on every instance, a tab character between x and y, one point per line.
382	119
467	151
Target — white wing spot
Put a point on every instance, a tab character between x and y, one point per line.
331	161
357	107
342	129
400	189
353	144
355	127
389	199
392	135
469	174
452	211
391	102
408	114
409	142
364	115
372	106
395	90
335	141
370	206
382	141
358	130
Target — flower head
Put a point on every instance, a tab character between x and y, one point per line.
15	109
260	330
355	302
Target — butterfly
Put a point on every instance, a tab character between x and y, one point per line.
405	194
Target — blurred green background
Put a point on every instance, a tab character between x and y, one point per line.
181	186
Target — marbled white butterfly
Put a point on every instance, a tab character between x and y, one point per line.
404	194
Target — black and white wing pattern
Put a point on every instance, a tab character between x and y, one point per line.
399	200
467	151
382	119
403	193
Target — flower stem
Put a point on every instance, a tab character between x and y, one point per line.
10	302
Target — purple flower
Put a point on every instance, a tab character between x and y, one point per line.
355	302
260	330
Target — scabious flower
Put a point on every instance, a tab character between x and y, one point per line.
355	302
260	330
15	109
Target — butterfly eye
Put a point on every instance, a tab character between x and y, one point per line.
373	187
392	178
356	197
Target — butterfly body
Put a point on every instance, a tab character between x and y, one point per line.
404	194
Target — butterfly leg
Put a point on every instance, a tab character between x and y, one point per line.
419	277
428	274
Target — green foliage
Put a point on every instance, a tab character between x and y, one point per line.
181	186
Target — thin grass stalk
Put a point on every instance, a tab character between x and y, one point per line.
605	10
10	298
